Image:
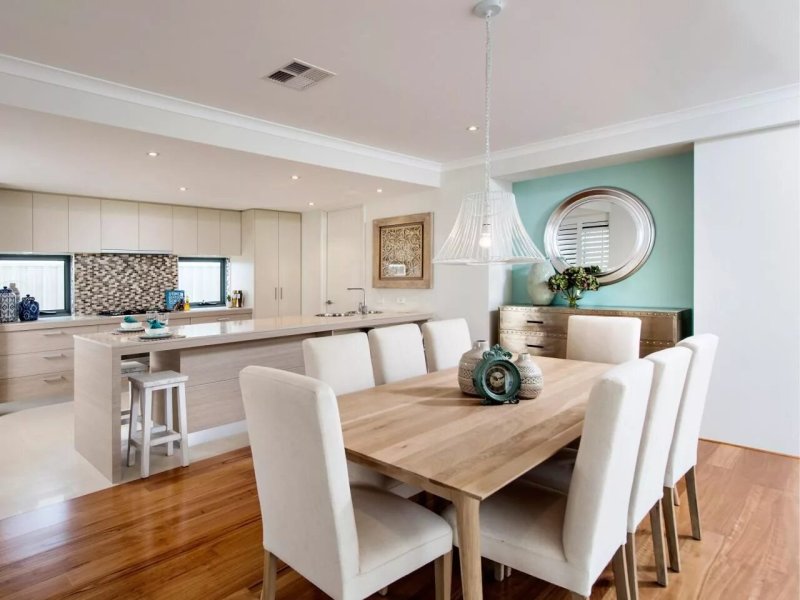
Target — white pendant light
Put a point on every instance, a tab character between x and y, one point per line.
488	229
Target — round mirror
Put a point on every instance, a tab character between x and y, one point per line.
604	227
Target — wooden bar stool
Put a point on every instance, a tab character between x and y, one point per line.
142	387
127	367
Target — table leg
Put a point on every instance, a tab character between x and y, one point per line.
469	545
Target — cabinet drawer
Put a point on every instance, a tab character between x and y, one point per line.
35	363
197	320
535	343
51	385
533	319
41	340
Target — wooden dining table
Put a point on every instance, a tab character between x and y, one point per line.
425	432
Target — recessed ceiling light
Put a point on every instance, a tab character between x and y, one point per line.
311	204
379	190
152	153
295	177
183	189
473	128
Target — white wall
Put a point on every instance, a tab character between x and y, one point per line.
747	285
314	244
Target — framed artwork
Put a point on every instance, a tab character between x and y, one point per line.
401	251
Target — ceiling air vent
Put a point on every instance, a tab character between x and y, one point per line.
299	75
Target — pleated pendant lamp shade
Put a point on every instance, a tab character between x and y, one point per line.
488	229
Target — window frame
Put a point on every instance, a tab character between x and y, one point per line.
67	260
223	264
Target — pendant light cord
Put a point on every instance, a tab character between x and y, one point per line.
487	105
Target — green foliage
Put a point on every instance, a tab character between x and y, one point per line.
573	281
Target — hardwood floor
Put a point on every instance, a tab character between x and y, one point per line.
195	533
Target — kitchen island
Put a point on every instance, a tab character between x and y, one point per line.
211	354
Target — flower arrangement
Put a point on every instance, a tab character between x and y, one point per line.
573	281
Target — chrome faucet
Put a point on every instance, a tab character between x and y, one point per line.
362	306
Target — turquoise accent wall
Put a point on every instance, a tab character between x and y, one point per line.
666	186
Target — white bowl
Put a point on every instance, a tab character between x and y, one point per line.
125	325
156	332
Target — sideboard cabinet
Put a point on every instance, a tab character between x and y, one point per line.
542	330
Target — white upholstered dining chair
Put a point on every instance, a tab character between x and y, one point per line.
569	540
669	376
350	543
445	341
683	451
611	340
397	353
344	363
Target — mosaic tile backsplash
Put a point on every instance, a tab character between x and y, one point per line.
122	281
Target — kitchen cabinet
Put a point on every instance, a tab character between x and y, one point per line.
230	233
120	225
50	223
155	228
289	264
184	230
208	232
17	209
268	270
85	225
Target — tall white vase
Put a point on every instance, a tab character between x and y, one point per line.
537	283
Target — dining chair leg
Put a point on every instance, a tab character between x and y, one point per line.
630	565
620	574
383	591
657	527
508	571
499	571
676	496
694	509
672	530
443	569
469	537
270	576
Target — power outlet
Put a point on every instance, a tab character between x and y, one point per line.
401	300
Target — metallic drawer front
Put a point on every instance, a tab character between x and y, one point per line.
50	385
35	363
535	343
41	340
534	319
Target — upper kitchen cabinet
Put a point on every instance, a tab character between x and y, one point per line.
120	225
208	232
184	230
17	210
85	225
50	223
155	228
230	233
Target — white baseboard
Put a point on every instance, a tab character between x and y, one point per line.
216	433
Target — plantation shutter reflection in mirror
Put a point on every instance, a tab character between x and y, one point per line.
585	240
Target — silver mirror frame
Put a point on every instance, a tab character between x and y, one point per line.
645	230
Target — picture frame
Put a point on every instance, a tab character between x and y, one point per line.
401	252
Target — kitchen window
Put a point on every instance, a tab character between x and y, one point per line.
203	280
46	278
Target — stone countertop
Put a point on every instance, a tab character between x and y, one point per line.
225	332
82	320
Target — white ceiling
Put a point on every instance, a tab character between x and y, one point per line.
410	74
48	153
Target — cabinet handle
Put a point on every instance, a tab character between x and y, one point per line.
281	293
535	346
535	322
276	293
54	379
53	356
52	333
223	319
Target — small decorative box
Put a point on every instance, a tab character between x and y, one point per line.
172	297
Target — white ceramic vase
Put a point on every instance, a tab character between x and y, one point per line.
466	366
531	377
537	283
